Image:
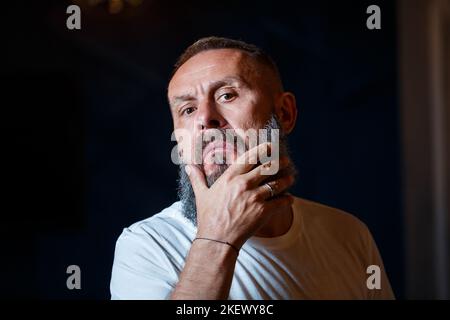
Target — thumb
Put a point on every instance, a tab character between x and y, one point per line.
196	177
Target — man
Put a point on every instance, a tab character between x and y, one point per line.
236	232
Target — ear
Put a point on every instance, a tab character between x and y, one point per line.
286	111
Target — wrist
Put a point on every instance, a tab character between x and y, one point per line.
229	238
218	252
220	242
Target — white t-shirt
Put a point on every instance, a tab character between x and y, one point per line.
324	255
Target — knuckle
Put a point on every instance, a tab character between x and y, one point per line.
259	209
252	159
275	185
255	197
226	178
243	185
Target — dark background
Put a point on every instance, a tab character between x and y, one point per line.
85	127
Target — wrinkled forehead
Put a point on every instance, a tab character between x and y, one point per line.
212	66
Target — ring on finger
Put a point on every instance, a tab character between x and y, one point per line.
271	189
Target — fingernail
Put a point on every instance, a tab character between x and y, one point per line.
187	169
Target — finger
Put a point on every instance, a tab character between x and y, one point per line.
274	188
249	159
258	174
285	200
197	178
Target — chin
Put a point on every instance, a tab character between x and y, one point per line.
214	172
213	169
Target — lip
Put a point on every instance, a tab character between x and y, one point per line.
222	145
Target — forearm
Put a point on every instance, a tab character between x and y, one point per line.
208	272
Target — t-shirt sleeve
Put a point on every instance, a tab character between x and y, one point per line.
374	258
141	269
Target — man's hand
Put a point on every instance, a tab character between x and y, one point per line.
237	205
232	210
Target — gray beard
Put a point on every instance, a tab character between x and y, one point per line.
186	193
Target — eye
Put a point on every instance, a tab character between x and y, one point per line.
228	96
187	111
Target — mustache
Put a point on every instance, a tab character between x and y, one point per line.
225	135
219	135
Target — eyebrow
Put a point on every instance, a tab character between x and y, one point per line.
227	81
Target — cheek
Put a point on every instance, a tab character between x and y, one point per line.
249	113
178	124
185	144
253	120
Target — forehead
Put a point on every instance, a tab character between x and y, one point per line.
211	66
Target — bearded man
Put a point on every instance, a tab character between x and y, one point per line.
236	232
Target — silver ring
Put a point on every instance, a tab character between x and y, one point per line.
272	191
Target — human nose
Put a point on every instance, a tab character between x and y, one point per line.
208	117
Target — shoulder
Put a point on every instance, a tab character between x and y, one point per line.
321	212
168	220
161	233
160	241
334	222
148	256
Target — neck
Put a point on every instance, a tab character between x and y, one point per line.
277	225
